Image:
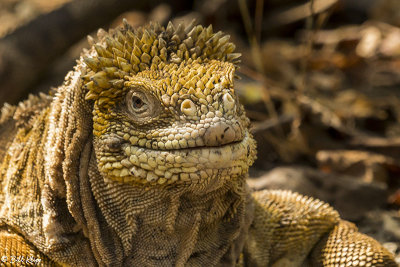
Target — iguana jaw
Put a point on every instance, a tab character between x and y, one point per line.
198	165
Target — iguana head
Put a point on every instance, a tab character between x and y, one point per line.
165	110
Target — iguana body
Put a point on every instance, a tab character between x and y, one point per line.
140	159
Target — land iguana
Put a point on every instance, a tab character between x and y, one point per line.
140	158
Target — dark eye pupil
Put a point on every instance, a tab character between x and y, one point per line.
137	102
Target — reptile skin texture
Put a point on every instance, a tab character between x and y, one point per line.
140	158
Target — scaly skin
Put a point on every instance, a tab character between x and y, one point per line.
140	159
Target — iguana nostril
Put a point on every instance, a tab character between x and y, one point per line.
188	107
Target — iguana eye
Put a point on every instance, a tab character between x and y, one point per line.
137	103
141	105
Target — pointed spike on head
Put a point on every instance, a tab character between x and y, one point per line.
156	61
90	40
127	48
106	93
110	70
135	68
93	63
161	43
130	36
176	39
111	31
182	47
202	36
145	48
102	100
90	86
221	49
233	56
136	51
180	31
117	52
153	51
145	58
112	43
230	47
209	30
136	42
101	33
91	95
146	39
121	37
120	60
190	26
195	51
100	79
223	40
126	24
170	28
163	53
156	27
194	33
118	83
216	37
134	59
188	42
105	62
86	77
101	51
143	66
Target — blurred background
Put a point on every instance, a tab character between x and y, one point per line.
320	81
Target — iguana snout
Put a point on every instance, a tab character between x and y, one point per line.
220	134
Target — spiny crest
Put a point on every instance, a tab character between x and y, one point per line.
25	109
196	79
125	52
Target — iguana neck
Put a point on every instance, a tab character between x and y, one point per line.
178	226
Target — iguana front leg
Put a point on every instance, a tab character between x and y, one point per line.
289	227
15	250
345	246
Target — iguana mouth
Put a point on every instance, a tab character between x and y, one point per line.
186	165
195	147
